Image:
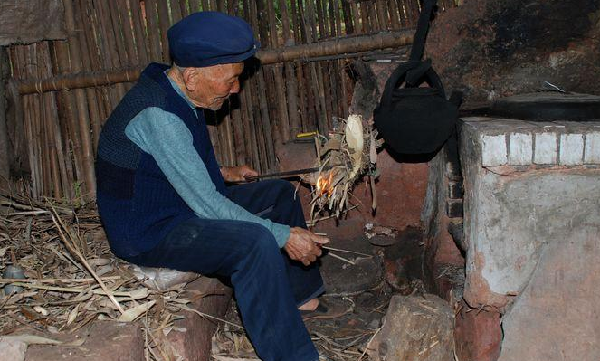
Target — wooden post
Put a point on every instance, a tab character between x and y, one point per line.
4	149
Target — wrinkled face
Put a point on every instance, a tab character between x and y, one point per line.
209	87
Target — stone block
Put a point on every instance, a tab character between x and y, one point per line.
493	152
592	148
521	149
546	148
558	313
571	149
416	329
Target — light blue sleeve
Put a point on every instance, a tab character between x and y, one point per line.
166	137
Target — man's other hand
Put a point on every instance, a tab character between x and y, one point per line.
238	174
304	246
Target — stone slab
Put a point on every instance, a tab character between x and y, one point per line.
559	313
417	329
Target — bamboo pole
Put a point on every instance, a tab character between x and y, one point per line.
164	23
364	16
138	31
194	6
349	19
127	29
252	143
153	38
87	155
69	113
394	15
323	31
183	5
382	17
175	10
54	141
239	146
291	53
27	127
109	51
91	95
280	89
122	50
290	77
205	6
5	151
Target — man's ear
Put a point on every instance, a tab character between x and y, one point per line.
191	77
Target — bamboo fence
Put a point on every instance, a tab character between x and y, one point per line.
68	88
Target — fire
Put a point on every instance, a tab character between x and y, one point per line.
324	184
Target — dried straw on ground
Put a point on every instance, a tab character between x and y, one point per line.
71	278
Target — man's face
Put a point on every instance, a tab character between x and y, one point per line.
209	87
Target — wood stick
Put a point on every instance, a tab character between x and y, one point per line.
114	18
72	248
323	31
349	19
91	96
250	135
279	91
69	111
127	28
238	134
205	6
291	53
138	31
382	17
175	11
194	6
153	38
163	21
394	15
290	77
87	155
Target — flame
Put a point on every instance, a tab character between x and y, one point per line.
324	185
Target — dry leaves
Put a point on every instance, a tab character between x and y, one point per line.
350	150
71	278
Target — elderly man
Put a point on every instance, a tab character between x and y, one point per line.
164	203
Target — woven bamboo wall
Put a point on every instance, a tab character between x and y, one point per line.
56	133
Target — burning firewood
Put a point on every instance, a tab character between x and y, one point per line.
343	158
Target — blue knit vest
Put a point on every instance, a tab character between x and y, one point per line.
137	204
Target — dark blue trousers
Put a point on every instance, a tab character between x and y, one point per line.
268	286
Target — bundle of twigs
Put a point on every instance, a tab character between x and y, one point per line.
349	153
71	278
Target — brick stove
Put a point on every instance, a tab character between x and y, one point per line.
532	240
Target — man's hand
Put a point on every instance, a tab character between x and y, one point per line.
237	174
304	246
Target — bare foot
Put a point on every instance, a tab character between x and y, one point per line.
310	305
